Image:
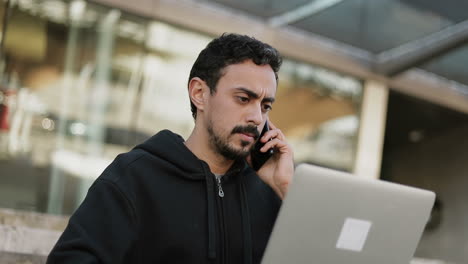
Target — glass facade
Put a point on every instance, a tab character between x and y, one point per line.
318	110
81	83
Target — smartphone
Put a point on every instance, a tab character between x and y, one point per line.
259	158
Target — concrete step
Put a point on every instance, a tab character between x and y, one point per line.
28	237
18	258
27	240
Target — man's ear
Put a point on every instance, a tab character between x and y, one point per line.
198	91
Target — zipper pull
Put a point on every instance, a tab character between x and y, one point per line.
220	188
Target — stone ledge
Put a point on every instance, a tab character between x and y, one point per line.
18	258
28	236
428	261
25	240
12	217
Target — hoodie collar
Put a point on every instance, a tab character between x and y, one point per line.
170	146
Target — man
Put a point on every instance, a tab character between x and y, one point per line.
194	201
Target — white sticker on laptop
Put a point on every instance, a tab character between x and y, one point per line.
353	235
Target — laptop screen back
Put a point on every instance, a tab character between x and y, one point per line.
331	217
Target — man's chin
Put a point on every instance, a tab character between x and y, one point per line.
246	151
236	149
239	152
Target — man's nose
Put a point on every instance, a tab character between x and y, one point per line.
255	115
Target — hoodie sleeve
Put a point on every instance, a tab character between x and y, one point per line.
102	229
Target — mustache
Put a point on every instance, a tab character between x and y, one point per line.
246	129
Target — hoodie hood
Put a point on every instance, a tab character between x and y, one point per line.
168	146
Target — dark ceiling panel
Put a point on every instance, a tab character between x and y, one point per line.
376	26
263	8
373	25
452	66
453	10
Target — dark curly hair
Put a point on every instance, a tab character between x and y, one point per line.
231	49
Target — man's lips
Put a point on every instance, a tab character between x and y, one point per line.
248	136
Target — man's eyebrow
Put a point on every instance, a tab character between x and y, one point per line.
254	95
268	99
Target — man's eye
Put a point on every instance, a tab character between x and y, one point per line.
243	99
267	107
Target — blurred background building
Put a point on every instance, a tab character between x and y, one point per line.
376	88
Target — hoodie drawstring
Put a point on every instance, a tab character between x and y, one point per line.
245	222
211	215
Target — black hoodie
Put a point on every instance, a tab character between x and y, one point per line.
159	203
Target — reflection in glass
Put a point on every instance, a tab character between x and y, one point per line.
76	93
318	111
82	83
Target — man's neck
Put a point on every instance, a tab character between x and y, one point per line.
199	144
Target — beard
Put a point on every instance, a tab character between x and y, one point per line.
223	147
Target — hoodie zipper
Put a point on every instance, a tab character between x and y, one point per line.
222	219
220	187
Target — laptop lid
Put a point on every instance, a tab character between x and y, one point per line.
332	217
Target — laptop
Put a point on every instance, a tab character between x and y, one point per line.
332	217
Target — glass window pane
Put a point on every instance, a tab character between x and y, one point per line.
374	25
451	66
318	110
263	8
96	86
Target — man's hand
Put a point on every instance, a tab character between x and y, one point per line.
278	171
